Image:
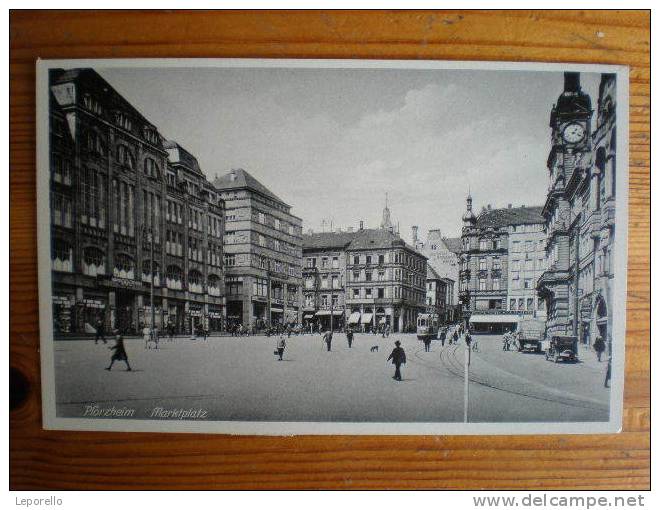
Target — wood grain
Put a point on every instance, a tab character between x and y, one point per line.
71	460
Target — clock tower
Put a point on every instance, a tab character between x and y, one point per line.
570	119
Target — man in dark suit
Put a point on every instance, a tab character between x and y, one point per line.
398	357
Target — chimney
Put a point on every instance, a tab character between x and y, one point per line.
509	206
361	225
489	207
571	82
415	228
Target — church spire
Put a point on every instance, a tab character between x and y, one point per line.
386	222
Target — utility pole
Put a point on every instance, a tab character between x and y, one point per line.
466	384
153	308
268	290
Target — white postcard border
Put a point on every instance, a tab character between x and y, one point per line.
52	422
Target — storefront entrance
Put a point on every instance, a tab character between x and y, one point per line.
124	321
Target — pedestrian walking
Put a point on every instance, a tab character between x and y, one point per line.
443	336
170	331
599	347
468	340
398	357
349	337
327	338
146	336
456	337
119	354
427	344
281	345
100	332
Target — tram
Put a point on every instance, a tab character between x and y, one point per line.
427	326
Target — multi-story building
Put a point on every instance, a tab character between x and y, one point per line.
385	280
194	230
499	266
443	255
580	213
439	294
526	265
263	253
110	195
324	276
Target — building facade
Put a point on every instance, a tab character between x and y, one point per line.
501	250
324	278
263	253
385	281
580	213
443	255
439	295
110	191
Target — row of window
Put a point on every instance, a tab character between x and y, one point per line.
326	282
412	262
94	264
121	119
276	223
275	266
387	293
526	304
528	246
325	301
326	262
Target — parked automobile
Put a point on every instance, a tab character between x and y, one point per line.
530	335
562	348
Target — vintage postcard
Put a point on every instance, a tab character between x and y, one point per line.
332	246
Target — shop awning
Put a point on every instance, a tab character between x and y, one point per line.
308	316
322	313
504	318
336	313
366	318
354	318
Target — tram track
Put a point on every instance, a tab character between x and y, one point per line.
451	364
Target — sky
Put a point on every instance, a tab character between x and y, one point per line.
332	142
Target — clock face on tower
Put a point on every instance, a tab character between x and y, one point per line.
573	133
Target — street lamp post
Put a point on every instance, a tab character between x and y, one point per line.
148	233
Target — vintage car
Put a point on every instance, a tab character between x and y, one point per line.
562	347
530	335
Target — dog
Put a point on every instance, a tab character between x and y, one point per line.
374	348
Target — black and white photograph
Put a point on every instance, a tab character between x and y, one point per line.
287	247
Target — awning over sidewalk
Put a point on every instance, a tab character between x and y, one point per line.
337	313
366	318
322	313
308	316
504	318
354	318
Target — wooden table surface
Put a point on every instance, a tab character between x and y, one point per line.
70	460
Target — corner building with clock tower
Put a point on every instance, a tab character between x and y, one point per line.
579	213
